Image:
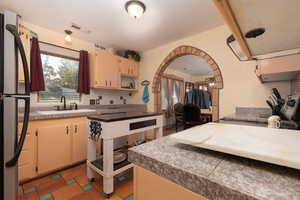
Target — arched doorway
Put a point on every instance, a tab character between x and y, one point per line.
182	51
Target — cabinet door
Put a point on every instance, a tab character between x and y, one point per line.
79	141
135	68
98	72
27	161
54	147
109	67
114	81
25	37
124	66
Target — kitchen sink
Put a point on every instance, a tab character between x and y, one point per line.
57	112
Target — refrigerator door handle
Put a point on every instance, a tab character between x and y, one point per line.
12	162
13	30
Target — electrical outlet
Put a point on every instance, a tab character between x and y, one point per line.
92	101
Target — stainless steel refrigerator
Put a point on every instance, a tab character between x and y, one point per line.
11	142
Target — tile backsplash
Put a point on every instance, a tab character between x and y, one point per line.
108	97
100	97
295	86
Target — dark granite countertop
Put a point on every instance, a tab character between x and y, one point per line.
217	176
249	114
122	116
99	109
246	118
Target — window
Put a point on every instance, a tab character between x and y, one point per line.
60	74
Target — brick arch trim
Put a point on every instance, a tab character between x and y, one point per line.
182	51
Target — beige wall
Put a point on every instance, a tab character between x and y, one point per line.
241	86
56	38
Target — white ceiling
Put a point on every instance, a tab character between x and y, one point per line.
192	65
279	18
163	22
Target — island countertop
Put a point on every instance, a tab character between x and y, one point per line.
217	175
122	116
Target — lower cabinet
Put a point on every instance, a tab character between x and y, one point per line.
149	186
27	164
51	145
79	147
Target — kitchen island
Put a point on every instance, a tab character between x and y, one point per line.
109	127
212	175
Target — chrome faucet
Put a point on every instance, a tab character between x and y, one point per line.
63	99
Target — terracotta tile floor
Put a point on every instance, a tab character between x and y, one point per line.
72	184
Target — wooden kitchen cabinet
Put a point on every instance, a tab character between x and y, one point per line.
25	36
79	139
161	188
27	161
104	71
53	146
128	67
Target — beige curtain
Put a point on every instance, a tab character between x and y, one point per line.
164	93
171	87
179	89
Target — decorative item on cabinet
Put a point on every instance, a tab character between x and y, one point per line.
133	55
99	47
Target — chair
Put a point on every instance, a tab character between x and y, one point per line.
191	116
178	111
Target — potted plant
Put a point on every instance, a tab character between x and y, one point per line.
130	54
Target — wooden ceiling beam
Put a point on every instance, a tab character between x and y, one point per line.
226	11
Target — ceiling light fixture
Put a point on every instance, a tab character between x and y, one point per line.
135	9
68	36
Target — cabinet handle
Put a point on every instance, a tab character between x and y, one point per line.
76	128
96	82
67	130
105	83
109	83
128	71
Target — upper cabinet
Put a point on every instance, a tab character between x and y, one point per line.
25	37
128	67
107	70
262	29
278	69
104	70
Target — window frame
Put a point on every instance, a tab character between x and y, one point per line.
59	56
